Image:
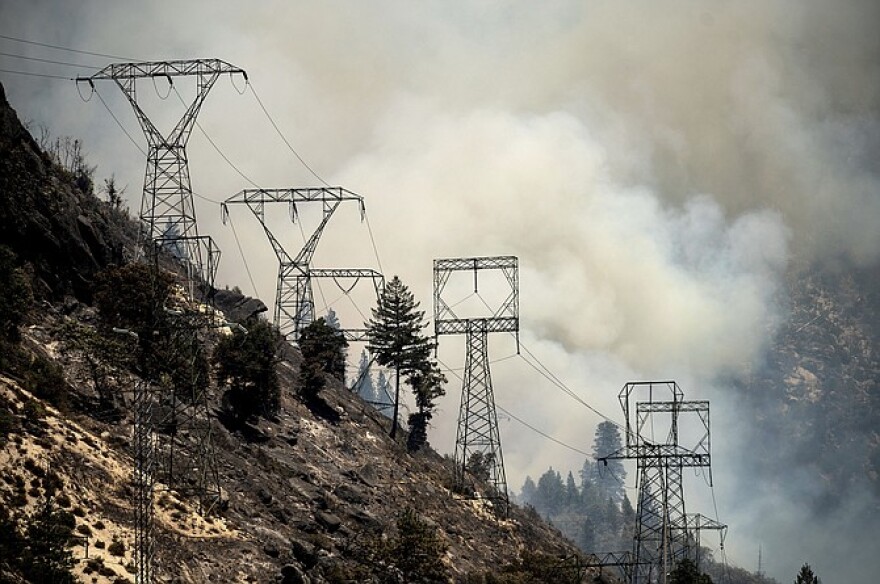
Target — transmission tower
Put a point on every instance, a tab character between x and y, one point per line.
477	432
167	209
185	455
662	536
294	299
697	523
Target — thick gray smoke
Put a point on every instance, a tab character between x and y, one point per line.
657	167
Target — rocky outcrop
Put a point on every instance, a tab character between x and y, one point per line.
64	232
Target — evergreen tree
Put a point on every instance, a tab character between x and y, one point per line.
332	320
322	348
365	388
427	385
686	572
136	297
246	365
806	576
17	295
417	550
551	493
611	475
384	402
572	495
46	557
396	339
528	492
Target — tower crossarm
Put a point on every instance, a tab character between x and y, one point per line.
658	454
477	263
504	318
125	74
459	326
176	68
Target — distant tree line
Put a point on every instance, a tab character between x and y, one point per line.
593	511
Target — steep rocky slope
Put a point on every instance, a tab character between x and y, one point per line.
308	495
816	400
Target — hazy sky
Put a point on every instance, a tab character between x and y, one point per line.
656	166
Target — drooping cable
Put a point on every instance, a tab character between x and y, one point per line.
284	138
30	74
445	367
60	48
247	268
50	61
118	123
373	241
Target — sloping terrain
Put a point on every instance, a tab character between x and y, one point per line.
310	495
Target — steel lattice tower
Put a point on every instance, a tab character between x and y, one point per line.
170	229
294	298
144	482
477	420
663	534
167	208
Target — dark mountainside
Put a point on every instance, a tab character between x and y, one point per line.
817	397
307	497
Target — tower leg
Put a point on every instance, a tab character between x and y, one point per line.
478	454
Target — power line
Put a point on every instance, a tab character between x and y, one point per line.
60	48
373	241
30	74
284	139
565	389
517	418
544	434
118	123
217	148
545	372
39	60
247	268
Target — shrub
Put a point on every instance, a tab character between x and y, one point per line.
417	550
323	351
45	380
17	295
117	548
246	366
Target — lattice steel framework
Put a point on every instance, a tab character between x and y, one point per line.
696	524
144	482
662	537
167	209
294	299
477	431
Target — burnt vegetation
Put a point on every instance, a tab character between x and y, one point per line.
80	326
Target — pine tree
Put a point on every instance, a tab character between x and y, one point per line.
427	385
246	366
364	387
806	576
610	475
323	352
384	402
396	339
551	493
17	295
528	492
46	556
572	495
686	572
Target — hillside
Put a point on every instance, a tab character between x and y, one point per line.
309	495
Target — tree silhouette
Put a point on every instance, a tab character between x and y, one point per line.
806	576
396	339
246	365
323	351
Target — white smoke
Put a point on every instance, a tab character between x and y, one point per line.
656	168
